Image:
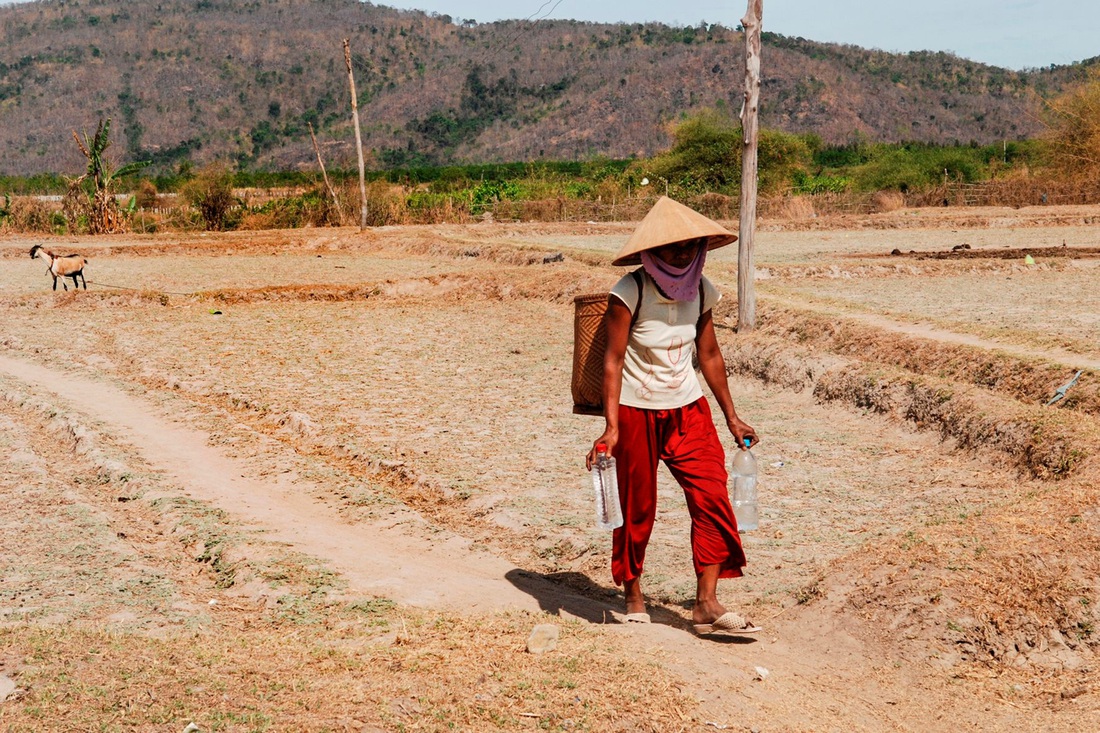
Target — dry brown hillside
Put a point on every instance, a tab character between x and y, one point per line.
187	79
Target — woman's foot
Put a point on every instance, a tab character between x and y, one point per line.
707	608
711	617
727	623
635	601
707	611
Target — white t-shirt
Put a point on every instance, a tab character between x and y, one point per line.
657	371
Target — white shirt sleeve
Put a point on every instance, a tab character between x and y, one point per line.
711	295
626	290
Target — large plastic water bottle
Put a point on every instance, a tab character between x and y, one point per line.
743	476
605	480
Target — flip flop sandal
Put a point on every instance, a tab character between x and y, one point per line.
728	623
637	618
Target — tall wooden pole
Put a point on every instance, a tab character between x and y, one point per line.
750	130
358	140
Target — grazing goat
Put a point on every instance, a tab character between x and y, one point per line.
62	267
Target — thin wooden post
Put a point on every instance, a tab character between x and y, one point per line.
331	192
750	131
358	140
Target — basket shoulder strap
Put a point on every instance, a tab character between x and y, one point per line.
639	279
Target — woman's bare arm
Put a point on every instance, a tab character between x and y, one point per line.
617	321
713	367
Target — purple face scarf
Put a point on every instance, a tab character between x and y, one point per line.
678	283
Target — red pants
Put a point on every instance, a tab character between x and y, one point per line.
685	439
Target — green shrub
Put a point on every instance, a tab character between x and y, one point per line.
211	193
312	208
781	158
706	156
487	193
917	166
804	183
579	189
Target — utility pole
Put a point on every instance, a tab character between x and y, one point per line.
750	131
358	140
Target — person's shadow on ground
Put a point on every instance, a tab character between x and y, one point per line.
578	595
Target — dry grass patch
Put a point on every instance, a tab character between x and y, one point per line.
1012	587
884	202
1030	381
796	208
1046	444
368	666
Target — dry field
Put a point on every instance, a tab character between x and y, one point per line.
330	480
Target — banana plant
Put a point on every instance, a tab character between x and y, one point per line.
98	203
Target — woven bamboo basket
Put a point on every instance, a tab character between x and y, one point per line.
589	345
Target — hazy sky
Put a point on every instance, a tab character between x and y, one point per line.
1015	34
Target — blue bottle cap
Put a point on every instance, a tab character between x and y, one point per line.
748	442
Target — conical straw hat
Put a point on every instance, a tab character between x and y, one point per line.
667	222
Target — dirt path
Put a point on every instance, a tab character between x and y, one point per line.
392	558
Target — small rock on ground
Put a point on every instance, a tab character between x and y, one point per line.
543	638
7	687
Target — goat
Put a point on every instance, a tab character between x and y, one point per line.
62	267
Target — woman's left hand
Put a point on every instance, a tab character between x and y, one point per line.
741	430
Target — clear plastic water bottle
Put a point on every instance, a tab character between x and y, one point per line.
609	515
743	475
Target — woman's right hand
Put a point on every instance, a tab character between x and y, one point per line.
609	438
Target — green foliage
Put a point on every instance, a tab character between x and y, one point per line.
843	156
804	183
578	189
423	201
165	159
90	202
490	192
866	167
914	167
446	130
396	158
312	208
263	137
211	192
42	184
781	157
454	178
706	156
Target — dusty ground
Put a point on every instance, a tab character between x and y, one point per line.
248	471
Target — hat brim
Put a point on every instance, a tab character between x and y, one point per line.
714	241
669	222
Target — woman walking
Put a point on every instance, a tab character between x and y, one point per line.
659	316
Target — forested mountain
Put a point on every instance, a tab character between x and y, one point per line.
201	80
